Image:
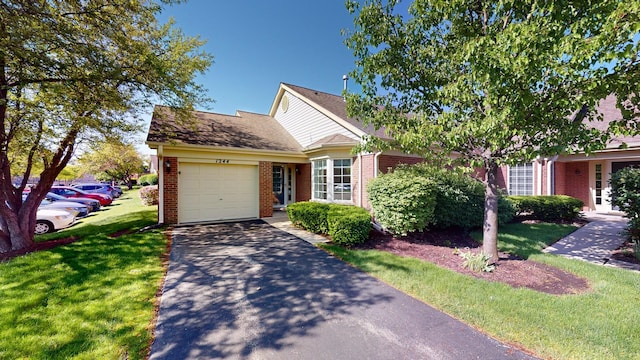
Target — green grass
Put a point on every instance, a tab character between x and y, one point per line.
603	323
93	299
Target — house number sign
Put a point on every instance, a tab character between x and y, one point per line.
222	161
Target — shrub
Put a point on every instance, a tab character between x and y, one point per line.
547	207
401	202
348	225
149	195
148	179
625	194
309	215
419	196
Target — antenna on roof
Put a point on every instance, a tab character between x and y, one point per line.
345	78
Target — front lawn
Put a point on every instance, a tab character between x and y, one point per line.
92	299
603	323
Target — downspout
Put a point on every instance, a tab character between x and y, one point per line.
374	223
360	179
539	175
550	177
376	165
160	184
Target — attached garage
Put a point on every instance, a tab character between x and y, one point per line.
209	192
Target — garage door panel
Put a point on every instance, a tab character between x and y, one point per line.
217	192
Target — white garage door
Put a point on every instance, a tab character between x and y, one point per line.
217	192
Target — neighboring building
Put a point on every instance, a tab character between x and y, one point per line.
153	164
578	175
246	165
224	167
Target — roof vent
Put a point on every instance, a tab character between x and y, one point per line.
345	78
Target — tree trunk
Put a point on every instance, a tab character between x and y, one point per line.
490	228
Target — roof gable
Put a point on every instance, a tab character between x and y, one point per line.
332	106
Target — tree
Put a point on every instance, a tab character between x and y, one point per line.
113	161
73	73
492	83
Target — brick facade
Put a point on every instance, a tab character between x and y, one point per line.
170	190
572	178
303	182
265	180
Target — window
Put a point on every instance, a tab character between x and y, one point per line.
332	179
521	179
320	179
342	179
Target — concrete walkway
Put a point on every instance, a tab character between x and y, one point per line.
595	241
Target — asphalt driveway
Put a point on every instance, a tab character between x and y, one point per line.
250	291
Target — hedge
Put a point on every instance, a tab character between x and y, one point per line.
148	179
547	207
347	225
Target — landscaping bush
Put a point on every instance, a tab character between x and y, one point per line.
348	225
309	215
402	202
149	195
148	179
419	196
625	194
547	207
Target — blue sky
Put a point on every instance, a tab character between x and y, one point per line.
258	44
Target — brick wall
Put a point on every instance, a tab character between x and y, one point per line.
303	182
387	162
575	178
266	188
170	190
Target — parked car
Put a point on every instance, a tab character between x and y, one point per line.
75	208
49	220
118	189
98	188
71	192
92	203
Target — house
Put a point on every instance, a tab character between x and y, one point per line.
223	167
585	177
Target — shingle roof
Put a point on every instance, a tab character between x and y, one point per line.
607	107
336	105
244	130
336	140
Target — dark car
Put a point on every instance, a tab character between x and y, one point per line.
93	203
99	189
70	192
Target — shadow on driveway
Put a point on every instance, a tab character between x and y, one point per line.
250	291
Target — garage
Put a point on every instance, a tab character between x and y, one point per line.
217	192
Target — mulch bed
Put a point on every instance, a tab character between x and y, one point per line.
437	247
625	253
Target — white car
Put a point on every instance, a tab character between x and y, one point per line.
49	220
77	209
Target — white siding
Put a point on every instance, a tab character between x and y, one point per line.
306	124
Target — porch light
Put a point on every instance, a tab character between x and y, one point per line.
167	165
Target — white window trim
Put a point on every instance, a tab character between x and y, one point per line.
330	183
509	169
